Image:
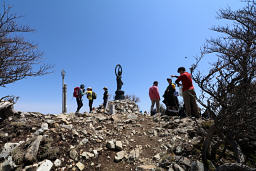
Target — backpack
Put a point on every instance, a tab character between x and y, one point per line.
76	92
94	95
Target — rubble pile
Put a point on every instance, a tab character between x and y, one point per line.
127	141
122	107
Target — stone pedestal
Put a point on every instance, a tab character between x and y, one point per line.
119	95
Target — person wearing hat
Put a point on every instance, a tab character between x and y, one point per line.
170	99
89	97
105	98
189	94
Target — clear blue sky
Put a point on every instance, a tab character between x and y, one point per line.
87	38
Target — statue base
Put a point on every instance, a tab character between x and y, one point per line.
119	95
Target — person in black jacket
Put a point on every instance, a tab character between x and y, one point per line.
170	98
105	98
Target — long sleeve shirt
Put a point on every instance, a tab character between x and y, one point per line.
154	93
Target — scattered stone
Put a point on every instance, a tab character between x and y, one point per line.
119	156
87	155
134	154
84	141
197	166
96	154
119	146
177	167
178	150
31	154
57	163
8	164
45	166
44	126
146	168
80	166
111	145
157	157
73	154
8	148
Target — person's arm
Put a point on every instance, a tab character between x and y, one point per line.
174	76
178	80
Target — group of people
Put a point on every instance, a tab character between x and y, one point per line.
170	94
79	92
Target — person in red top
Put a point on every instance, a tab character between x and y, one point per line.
188	92
154	97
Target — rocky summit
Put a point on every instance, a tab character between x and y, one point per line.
122	141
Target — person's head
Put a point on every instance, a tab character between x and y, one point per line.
155	83
181	70
82	86
169	80
89	89
105	88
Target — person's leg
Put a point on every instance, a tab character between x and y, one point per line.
79	105
157	106
90	105
105	105
186	98
152	105
194	107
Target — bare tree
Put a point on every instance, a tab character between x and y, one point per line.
18	57
228	88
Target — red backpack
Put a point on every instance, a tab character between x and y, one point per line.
76	92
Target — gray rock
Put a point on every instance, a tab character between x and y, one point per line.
177	167
80	166
178	150
185	161
197	166
57	163
44	126
84	141
111	145
87	155
157	157
235	167
146	168
67	126
73	154
74	132
119	145
7	149
119	156
132	116
134	154
45	166
31	154
170	169
96	154
8	164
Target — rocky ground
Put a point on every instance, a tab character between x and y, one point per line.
122	141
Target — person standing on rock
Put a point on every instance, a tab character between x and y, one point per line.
78	93
89	97
189	94
154	97
170	99
105	98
